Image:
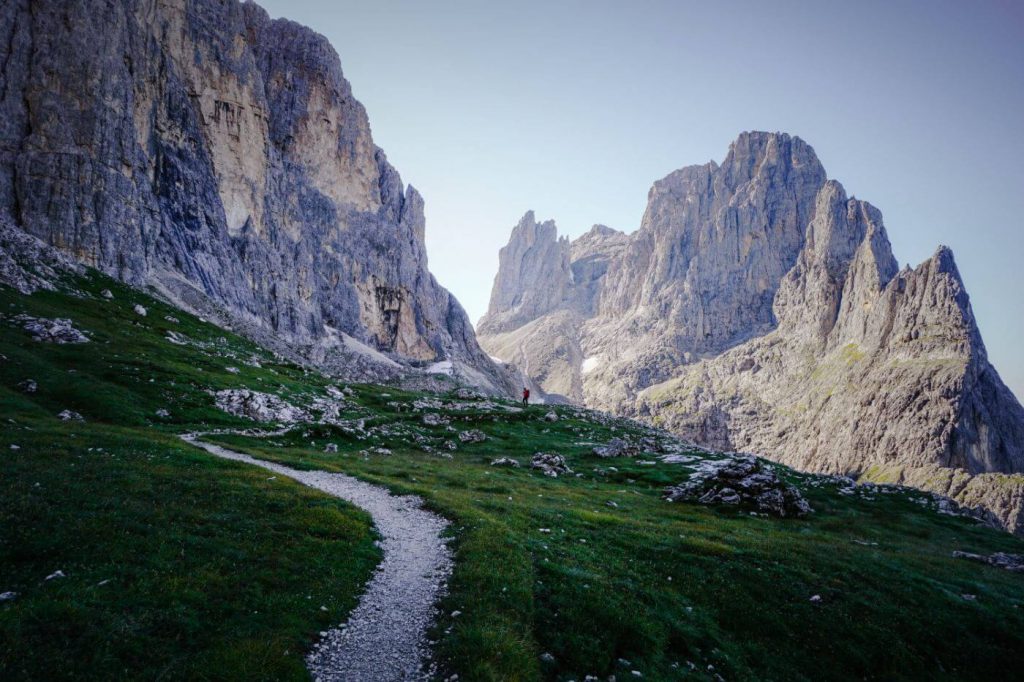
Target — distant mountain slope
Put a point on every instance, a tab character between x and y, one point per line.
205	149
759	308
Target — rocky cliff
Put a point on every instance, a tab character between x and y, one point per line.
201	148
759	308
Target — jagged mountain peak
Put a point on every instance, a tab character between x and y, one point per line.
759	307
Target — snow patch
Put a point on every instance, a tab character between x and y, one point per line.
590	364
443	367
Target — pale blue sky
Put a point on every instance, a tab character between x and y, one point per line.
573	109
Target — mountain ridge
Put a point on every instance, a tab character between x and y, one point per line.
759	308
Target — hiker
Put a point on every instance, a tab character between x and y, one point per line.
526	396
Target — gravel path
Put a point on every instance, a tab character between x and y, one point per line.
385	637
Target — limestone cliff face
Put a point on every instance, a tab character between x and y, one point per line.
202	148
793	333
544	290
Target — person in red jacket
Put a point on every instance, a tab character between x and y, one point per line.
526	396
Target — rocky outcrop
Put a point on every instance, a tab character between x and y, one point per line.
220	156
545	289
741	480
760	309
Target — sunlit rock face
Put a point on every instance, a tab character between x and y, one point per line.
203	148
759	308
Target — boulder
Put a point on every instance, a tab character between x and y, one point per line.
617	447
59	330
742	480
261	407
1010	562
472	436
550	464
434	419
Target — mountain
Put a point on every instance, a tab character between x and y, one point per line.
218	156
759	308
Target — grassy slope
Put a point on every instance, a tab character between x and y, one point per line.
179	565
661	585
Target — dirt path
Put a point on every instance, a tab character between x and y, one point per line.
385	637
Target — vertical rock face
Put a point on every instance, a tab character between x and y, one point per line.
533	276
759	308
203	148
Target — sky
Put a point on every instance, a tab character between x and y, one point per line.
573	109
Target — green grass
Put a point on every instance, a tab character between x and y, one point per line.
178	565
681	591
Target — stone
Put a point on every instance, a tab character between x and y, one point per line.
435	419
55	575
107	294
59	330
472	436
1010	562
551	416
28	386
741	480
70	416
8	596
759	308
331	447
163	413
505	462
140	310
26	263
616	447
550	464
258	406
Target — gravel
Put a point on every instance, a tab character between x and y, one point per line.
385	637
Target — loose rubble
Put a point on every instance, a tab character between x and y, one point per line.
741	480
434	419
59	330
261	407
1010	562
550	464
617	447
472	436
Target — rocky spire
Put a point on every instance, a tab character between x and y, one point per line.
533	276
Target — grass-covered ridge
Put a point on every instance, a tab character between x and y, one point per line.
594	569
